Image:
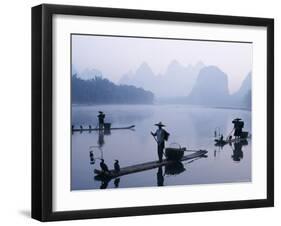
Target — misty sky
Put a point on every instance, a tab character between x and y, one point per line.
115	56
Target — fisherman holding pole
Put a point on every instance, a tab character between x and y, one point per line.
160	137
101	117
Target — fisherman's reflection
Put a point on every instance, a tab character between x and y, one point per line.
160	176
237	152
101	138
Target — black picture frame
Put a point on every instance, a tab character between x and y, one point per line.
42	111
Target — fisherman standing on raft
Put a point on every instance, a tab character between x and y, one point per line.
161	136
101	117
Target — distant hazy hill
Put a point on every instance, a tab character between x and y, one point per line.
243	96
101	91
177	80
211	88
143	77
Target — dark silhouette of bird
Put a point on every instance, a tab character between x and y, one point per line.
90	127
81	127
103	166
116	166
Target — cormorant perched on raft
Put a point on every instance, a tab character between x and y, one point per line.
116	166
103	166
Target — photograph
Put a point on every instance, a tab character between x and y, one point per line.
154	111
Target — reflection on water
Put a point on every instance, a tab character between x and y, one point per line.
237	151
101	138
116	182
104	184
192	127
160	177
174	169
236	147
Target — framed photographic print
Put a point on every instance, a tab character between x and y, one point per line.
145	112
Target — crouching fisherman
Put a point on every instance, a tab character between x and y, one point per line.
161	136
238	126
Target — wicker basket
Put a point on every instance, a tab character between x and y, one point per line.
173	153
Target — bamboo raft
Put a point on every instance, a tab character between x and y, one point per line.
144	166
98	129
224	142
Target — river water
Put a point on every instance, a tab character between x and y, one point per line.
190	126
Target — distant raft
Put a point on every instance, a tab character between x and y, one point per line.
90	128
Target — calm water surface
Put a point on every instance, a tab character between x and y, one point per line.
191	127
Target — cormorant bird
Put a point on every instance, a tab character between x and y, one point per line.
116	166
103	166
